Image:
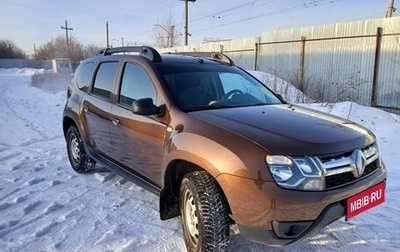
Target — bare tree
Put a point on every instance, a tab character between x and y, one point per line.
90	49
165	33
57	48
9	50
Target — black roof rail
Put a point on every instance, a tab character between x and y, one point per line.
145	51
212	55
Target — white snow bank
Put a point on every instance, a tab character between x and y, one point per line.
46	80
289	92
23	71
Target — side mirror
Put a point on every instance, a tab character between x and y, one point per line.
146	107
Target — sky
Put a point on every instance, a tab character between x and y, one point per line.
135	22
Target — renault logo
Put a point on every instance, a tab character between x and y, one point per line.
360	162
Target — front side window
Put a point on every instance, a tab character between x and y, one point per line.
104	79
136	84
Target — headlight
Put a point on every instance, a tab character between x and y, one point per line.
300	173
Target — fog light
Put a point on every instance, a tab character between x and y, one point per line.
290	230
314	185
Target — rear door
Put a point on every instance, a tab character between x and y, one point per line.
97	107
138	140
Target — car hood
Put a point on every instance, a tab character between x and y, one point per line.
288	129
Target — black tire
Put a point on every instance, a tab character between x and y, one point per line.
204	213
77	156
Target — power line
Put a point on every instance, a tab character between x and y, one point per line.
255	6
223	11
230	9
289	9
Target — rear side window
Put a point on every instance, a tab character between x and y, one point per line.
105	78
82	78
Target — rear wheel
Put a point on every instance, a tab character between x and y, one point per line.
77	156
204	213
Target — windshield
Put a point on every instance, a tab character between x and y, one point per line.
195	86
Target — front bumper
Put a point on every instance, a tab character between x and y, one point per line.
284	233
268	214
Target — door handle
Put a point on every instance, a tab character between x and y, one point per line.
115	121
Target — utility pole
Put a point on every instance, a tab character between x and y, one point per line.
34	50
122	41
66	28
185	27
186	17
107	36
171	35
390	9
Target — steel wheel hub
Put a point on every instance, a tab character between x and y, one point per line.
74	148
191	218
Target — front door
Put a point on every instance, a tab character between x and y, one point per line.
138	141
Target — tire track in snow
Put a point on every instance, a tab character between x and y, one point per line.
10	156
12	114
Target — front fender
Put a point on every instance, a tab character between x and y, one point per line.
205	153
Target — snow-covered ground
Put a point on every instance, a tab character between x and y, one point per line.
46	206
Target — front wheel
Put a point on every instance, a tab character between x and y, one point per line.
204	213
77	156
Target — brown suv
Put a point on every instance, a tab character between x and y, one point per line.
218	147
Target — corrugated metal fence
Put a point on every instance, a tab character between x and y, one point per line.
356	61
